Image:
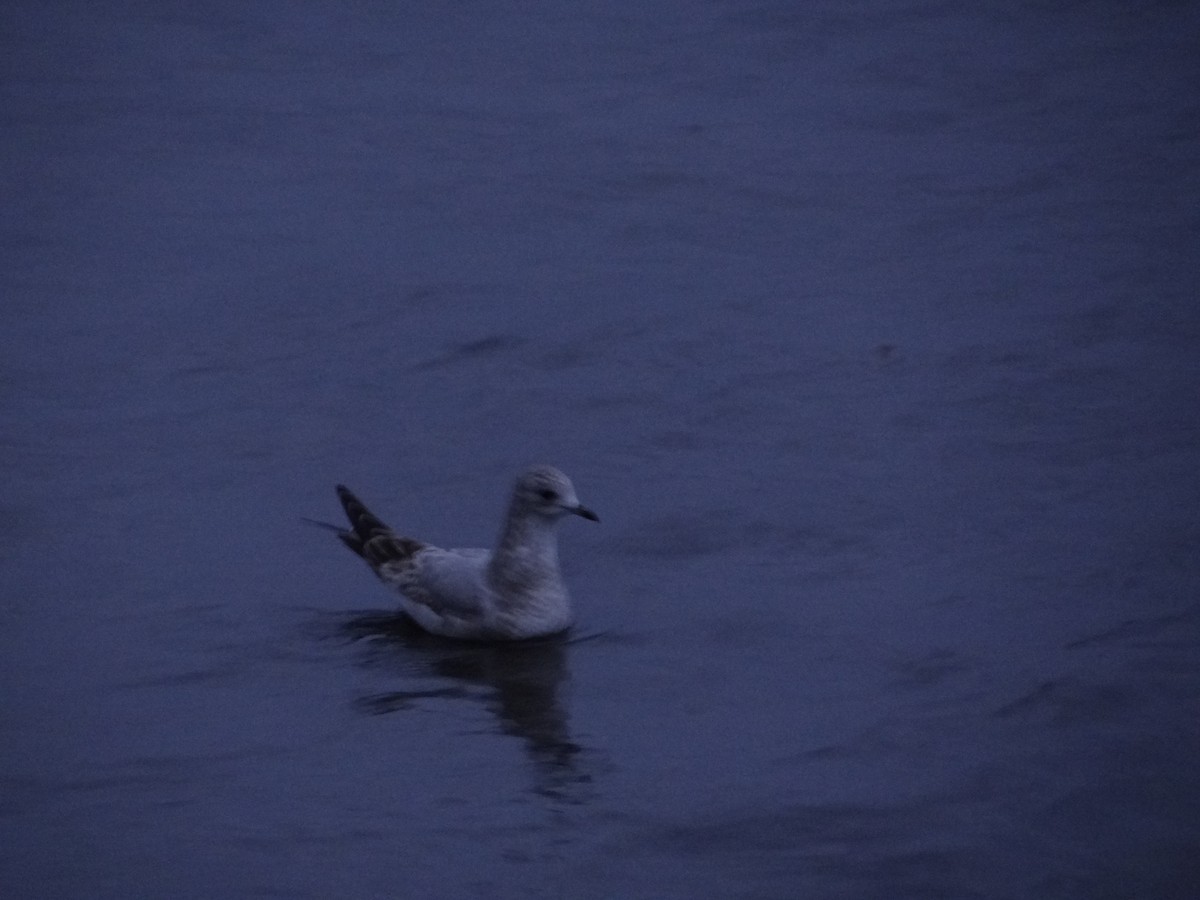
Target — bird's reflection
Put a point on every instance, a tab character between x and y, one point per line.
519	682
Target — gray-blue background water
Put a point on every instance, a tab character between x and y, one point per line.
870	329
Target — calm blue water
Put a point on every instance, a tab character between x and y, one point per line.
870	330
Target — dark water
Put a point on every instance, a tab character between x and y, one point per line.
870	330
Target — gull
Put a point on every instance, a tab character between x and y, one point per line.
513	592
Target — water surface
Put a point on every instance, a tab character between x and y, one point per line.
870	331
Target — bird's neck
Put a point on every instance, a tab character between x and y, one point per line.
527	554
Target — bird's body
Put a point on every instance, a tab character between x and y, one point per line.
513	592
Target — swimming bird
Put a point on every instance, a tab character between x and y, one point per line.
513	592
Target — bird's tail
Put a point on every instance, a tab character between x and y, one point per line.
370	538
364	524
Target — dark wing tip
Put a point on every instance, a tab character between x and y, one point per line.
369	537
364	522
389	548
352	541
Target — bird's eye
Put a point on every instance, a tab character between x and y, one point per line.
548	494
